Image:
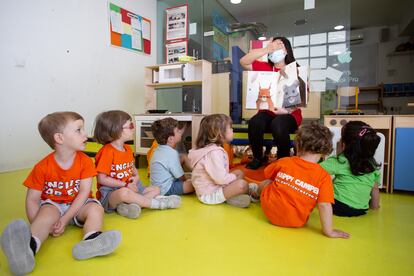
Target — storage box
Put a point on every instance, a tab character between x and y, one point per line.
176	73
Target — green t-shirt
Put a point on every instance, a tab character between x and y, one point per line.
353	190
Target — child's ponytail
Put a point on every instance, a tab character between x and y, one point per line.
361	142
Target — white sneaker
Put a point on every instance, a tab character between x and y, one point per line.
15	242
241	201
103	244
168	202
131	210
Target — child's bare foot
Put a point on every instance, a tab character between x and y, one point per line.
104	244
15	242
131	210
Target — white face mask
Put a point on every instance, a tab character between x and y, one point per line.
277	56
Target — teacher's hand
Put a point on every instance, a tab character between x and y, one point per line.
281	111
271	46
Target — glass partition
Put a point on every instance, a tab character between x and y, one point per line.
320	38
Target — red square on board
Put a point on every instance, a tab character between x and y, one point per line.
125	17
147	46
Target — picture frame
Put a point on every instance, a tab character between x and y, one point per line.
176	26
174	50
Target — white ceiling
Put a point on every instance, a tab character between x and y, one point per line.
357	13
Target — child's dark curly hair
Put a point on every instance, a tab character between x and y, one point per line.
360	143
314	138
163	129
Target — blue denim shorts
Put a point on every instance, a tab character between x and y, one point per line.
177	188
106	192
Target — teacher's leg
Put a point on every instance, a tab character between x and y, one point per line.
282	126
258	124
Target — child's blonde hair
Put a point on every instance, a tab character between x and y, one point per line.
212	130
109	126
55	123
314	138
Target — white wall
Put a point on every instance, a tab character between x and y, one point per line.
56	55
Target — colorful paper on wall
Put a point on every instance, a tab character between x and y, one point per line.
146	29
127	30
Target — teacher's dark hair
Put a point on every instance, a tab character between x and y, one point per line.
289	58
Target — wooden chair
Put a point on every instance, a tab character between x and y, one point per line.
347	92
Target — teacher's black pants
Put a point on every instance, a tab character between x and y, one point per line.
281	126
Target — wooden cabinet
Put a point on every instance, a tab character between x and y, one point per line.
201	75
381	123
144	137
403	153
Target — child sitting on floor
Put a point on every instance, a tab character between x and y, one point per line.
165	167
297	184
355	170
213	182
59	193
119	187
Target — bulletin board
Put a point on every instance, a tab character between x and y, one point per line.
129	30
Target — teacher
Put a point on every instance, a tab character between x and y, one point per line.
281	122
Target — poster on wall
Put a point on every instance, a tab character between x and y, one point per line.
129	30
176	23
175	50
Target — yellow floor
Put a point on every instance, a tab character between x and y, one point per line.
221	240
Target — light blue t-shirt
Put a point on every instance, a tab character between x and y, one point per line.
165	167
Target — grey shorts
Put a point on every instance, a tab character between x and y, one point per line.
106	192
177	188
63	208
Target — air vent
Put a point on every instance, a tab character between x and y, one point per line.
301	22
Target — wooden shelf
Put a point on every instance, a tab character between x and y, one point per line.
370	103
196	62
174	84
403	53
364	103
369	89
201	78
378	102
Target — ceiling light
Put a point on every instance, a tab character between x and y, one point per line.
235	1
339	27
262	37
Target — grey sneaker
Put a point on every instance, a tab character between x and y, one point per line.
15	242
241	201
102	245
169	202
131	210
254	192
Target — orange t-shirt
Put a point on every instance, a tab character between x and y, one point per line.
114	163
298	185
57	184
